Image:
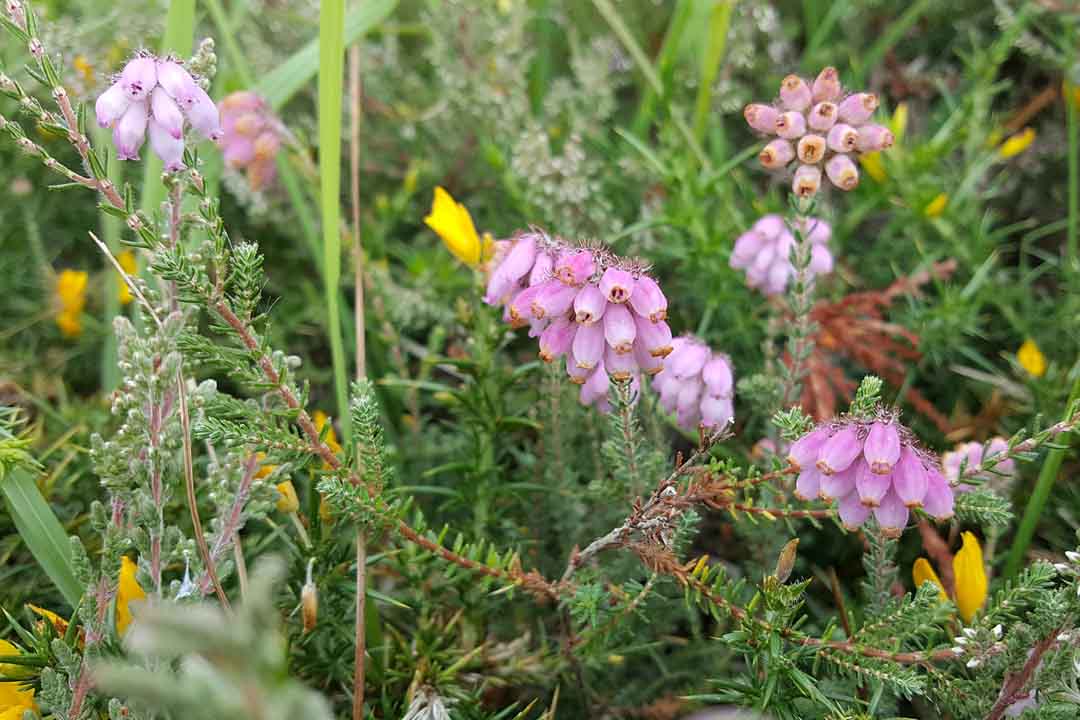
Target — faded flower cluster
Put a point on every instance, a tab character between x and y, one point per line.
696	384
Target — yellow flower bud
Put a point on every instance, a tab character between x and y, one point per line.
452	222
288	502
1031	358
898	124
935	207
971	583
873	166
126	258
1016	144
309	601
923	572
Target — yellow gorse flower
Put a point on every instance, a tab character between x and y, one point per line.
452	222
935	207
71	298
126	258
288	502
1016	144
1031	358
873	165
84	67
320	419
60	625
14	698
969	573
128	591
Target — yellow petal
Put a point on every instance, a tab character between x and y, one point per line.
873	166
71	289
70	324
1017	144
126	258
899	121
923	572
288	502
452	222
59	624
970	575
320	419
326	513
935	207
1031	358
129	590
83	65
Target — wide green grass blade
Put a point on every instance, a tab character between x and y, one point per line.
281	84
331	93
111	231
41	531
716	44
179	32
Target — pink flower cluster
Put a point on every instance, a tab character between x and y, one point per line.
764	252
156	95
973	453
605	314
696	384
870	465
819	127
252	137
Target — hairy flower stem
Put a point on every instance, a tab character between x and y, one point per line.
801	300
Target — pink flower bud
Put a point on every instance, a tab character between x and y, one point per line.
130	131
804	452
821	260
808	485
791	125
647	362
578	375
761	118
852	512
166	112
654	337
795	93
770	225
596	386
938	501
589	305
746	248
588	345
910	479
892	515
716	411
811	149
555	341
873	138
842	172
177	82
620	367
687	401
575	267
139	77
553	299
882	447
238	152
111	105
839	451
542	269
826	86
838	485
648	299
807	181
717	376
619	328
817	231
203	115
166	146
870	486
776	154
688	360
822	116
617	285
521	306
857	109
842	138
518	262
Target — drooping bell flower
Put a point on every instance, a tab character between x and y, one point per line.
156	96
870	465
764	252
965	462
696	384
815	124
252	136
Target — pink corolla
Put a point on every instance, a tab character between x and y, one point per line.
968	459
820	127
764	252
604	314
252	137
156	97
696	384
870	465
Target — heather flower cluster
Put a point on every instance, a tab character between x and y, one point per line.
820	128
764	252
696	384
973	453
870	465
251	137
604	313
156	96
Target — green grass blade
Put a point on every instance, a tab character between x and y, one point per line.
41	531
111	231
331	92
282	83
179	31
716	44
228	41
665	61
893	34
